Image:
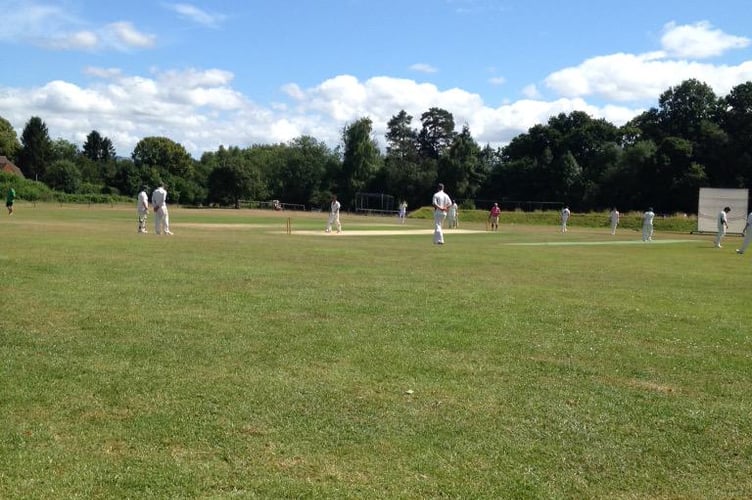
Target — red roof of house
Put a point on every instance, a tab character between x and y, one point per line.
7	166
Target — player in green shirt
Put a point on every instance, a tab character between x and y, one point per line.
9	198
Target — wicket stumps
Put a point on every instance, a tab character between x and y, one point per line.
288	225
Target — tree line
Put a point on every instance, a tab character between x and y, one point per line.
660	158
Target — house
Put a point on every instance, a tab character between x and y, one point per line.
7	166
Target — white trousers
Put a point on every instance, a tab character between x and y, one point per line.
719	236
647	232
141	221
333	219
162	221
747	240
438	220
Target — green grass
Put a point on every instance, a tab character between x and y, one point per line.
233	360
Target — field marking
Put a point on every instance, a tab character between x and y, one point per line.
381	232
618	242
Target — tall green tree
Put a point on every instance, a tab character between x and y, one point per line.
401	138
127	179
403	176
36	149
62	149
9	144
233	178
436	133
683	109
460	168
361	159
98	148
307	161
737	122
64	175
159	159
691	111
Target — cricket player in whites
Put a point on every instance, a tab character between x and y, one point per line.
722	226
161	215
565	213
647	225
142	208
334	216
747	232
441	204
614	218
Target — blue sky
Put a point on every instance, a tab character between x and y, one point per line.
242	72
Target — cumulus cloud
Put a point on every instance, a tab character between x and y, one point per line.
82	40
29	21
123	35
196	15
53	27
698	41
423	68
531	91
201	108
626	77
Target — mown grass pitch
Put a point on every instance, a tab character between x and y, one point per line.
234	360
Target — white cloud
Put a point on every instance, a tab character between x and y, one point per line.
423	68
81	40
64	97
531	91
497	80
201	108
53	27
698	41
197	15
103	72
624	77
123	35
29	21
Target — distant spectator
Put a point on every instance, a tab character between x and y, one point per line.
493	217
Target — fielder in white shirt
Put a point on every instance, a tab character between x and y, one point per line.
441	203
747	235
142	208
402	211
647	225
614	216
161	215
334	216
453	215
564	218
722	226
